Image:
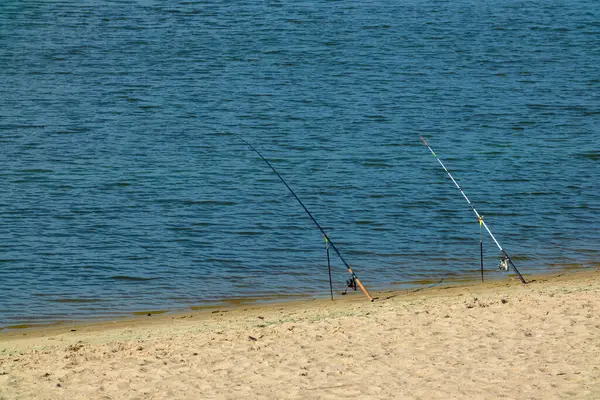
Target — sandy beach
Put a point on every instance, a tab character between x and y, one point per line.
497	340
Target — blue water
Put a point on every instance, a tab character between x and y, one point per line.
123	189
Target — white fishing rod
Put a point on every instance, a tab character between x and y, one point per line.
504	263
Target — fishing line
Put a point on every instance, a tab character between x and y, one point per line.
506	260
354	278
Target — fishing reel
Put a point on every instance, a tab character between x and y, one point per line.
503	265
350	284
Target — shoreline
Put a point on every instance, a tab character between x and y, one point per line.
499	339
245	302
150	317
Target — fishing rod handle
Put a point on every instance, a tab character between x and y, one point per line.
364	289
514	267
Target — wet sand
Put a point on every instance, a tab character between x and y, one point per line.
480	341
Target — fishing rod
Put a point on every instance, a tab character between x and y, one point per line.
354	279
506	260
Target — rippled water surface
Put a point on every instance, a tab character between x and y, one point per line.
123	188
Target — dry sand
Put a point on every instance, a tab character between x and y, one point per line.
479	341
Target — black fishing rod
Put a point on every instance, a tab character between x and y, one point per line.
354	278
505	261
